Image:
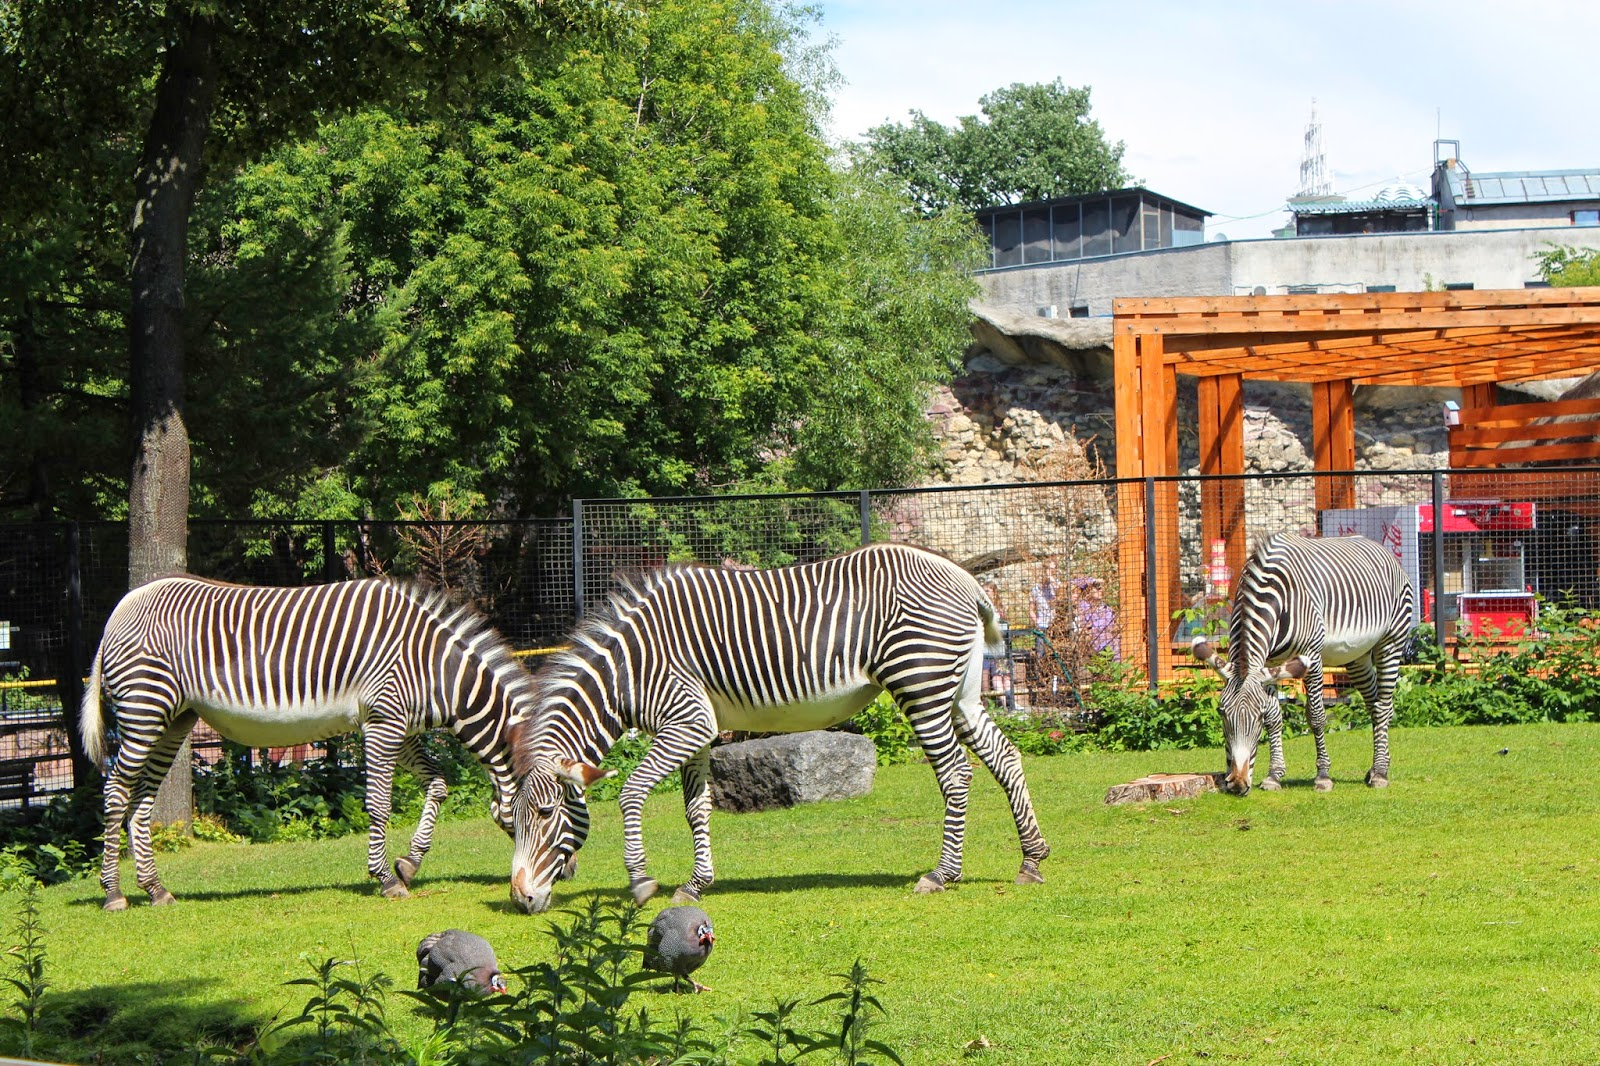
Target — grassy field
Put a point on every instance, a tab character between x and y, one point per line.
1453	918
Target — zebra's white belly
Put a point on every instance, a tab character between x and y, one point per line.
1337	650
829	708
279	726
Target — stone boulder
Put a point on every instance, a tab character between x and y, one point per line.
759	775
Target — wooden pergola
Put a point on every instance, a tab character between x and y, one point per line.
1469	339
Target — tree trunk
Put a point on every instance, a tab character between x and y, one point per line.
165	185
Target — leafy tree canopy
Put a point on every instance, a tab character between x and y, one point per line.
626	265
1031	142
1564	265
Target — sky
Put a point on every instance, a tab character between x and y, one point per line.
1212	99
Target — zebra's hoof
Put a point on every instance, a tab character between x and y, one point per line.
119	902
394	890
160	897
686	894
1376	781
929	883
405	868
1271	784
1323	784
643	889
1029	875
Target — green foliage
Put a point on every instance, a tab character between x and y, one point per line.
55	844
1564	265
1032	142
623	757
27	980
882	722
266	801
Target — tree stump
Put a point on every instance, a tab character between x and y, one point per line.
1157	788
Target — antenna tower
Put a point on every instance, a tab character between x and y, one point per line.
1314	179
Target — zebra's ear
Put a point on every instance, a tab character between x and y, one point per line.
1202	650
580	773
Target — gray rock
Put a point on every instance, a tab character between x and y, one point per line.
758	775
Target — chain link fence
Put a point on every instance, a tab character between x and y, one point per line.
1072	566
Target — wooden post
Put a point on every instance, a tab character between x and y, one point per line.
1131	603
1333	430
1222	452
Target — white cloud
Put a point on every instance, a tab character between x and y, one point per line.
1212	100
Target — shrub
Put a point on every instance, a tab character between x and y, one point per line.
890	732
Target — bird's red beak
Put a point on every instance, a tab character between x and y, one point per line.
707	939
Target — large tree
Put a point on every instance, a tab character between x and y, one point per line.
1031	142
201	86
631	268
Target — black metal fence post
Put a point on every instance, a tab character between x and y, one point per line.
70	684
577	560
332	565
866	517
1151	601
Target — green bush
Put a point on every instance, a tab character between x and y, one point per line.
889	730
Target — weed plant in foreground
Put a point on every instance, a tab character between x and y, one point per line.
1448	919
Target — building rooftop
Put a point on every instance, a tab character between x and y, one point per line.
1522	187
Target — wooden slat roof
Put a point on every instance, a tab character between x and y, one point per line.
1466	337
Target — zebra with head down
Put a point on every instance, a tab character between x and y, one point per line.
686	652
272	667
1303	603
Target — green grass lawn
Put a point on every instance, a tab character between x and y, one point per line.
1452	918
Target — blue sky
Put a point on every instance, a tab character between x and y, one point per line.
1212	99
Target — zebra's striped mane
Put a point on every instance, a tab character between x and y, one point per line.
586	643
474	629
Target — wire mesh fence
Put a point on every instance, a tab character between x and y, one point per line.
1093	577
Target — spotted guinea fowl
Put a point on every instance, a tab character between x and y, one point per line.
680	940
459	956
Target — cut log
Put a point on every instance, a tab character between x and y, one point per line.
1159	788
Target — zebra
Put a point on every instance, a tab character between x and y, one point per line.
271	667
686	652
1303	603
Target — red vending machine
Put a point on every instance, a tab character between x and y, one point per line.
1485	582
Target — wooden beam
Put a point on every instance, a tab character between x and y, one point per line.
1219	305
1221	401
1364	322
1334	441
1477	397
1129	396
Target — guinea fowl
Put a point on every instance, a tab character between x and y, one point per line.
459	956
680	940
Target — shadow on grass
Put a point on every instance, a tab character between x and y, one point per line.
137	898
142	1022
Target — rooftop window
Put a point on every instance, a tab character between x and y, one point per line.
1080	227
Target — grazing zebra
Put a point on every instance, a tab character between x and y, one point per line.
688	651
271	667
1336	601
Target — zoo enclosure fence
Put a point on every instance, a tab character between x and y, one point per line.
1505	540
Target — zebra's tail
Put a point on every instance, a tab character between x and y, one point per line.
994	637
91	723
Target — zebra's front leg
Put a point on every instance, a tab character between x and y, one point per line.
1277	769
697	808
1317	716
669	749
383	741
930	718
414	757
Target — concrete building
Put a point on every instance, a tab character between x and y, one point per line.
1483	231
